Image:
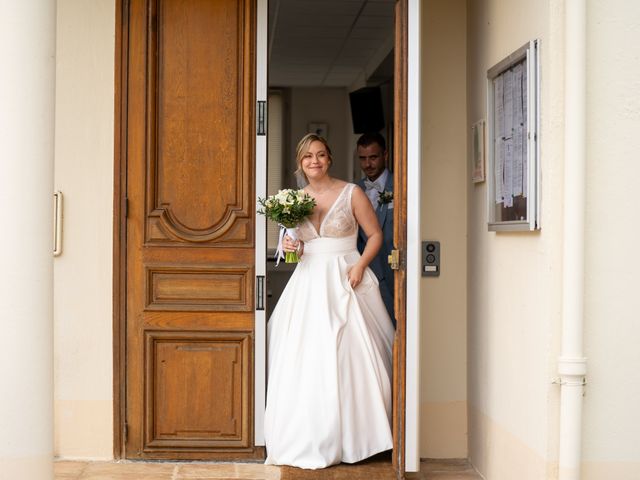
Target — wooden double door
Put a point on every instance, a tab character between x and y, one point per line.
189	93
186	232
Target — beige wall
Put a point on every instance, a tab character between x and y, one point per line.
443	382
514	278
514	338
326	105
83	274
611	414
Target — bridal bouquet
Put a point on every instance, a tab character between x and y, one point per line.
288	208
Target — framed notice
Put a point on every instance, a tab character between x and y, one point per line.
319	128
513	119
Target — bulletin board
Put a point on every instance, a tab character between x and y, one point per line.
513	118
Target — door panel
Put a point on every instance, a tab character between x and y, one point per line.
190	241
196	156
195	383
215	288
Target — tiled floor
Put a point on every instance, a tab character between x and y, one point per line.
372	470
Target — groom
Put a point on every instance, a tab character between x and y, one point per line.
378	185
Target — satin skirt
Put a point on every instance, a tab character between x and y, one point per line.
329	363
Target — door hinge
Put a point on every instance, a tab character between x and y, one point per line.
262	118
125	432
394	259
259	292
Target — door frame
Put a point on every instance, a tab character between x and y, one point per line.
407	155
412	244
406	353
120	232
400	106
260	330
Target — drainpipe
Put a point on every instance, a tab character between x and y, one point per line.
572	365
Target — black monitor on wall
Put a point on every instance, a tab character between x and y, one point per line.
366	110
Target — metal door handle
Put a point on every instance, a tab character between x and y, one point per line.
57	223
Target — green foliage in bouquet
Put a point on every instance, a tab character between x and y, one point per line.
287	207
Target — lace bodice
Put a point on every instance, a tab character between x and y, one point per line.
339	221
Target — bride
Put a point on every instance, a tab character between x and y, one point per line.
330	337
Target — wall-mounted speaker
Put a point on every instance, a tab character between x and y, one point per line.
430	258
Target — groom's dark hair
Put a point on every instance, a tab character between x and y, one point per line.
367	139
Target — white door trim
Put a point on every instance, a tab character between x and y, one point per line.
260	350
414	274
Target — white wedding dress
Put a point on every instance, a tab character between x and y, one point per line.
329	354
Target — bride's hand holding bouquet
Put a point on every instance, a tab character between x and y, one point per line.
288	208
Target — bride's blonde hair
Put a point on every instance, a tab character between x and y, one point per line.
303	147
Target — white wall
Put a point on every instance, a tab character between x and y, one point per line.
83	274
611	418
443	382
515	278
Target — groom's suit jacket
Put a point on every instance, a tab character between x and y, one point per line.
379	264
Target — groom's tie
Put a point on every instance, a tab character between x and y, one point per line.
368	184
373	190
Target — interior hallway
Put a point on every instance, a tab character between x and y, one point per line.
368	470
